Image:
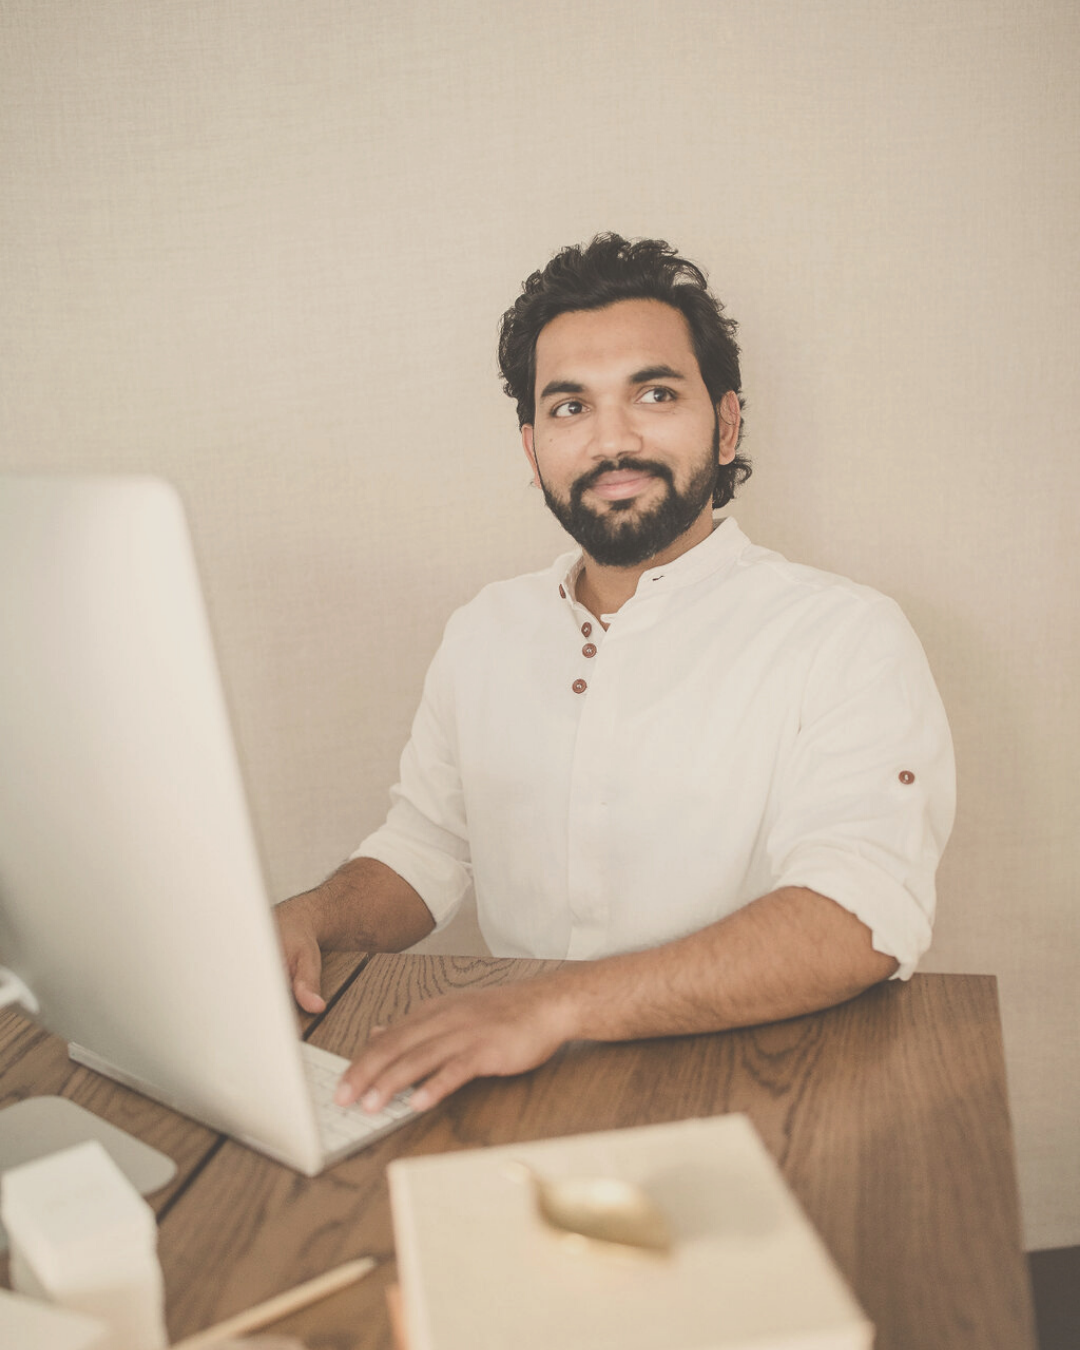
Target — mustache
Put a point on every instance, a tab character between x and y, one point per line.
652	466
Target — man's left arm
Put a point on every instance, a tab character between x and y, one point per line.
793	951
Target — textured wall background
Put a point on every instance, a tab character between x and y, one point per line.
261	248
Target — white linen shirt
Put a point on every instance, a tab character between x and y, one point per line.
744	724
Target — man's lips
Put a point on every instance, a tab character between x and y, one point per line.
617	484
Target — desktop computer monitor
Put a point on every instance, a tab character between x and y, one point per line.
134	921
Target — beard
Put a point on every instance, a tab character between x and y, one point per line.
625	535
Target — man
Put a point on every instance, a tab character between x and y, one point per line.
720	781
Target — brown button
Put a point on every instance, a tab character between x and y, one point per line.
562	592
579	686
907	776
586	629
588	650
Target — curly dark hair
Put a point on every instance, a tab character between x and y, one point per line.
595	275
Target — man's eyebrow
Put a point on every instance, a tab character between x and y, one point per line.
561	387
643	376
655	373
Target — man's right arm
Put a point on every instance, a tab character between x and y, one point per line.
364	906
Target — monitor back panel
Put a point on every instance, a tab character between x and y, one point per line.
131	896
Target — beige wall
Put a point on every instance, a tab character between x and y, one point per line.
261	248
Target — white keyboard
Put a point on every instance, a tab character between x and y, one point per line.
342	1128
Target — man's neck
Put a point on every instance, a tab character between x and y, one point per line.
604	590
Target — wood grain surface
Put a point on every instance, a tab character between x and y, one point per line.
887	1116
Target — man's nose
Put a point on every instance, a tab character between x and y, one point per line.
615	432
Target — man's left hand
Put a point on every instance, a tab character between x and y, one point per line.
451	1039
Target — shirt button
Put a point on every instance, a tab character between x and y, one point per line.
588	650
586	629
907	776
579	686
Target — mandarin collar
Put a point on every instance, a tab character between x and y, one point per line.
721	547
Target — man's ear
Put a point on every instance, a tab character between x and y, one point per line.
730	415
530	453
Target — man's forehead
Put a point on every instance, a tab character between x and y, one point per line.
631	333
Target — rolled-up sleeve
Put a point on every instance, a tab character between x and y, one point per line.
869	789
424	838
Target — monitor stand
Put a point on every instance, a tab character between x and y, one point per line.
37	1126
41	1125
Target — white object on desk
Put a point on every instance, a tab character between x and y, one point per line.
26	1324
480	1268
41	1125
82	1237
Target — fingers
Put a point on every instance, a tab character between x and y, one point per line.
395	1061
307	998
300	949
306	973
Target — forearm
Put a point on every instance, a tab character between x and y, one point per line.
790	952
366	906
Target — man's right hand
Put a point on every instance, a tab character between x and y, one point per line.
363	907
303	959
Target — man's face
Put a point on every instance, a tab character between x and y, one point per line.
626	441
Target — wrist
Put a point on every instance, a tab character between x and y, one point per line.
566	1006
310	911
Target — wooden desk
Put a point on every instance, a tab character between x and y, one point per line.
888	1117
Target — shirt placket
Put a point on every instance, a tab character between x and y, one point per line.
588	876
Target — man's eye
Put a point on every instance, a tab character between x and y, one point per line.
568	409
658	394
